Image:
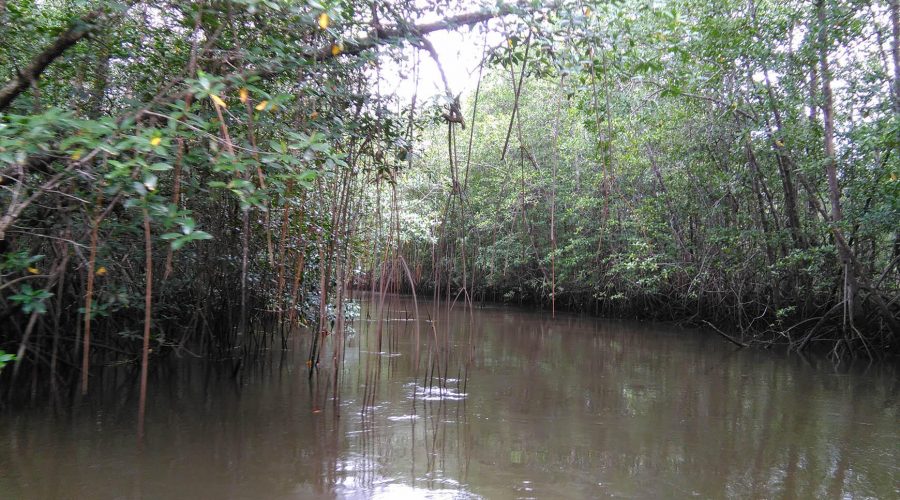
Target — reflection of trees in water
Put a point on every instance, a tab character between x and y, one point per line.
639	405
573	407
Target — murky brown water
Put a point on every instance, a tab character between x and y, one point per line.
566	408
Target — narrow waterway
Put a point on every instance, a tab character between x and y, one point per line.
520	406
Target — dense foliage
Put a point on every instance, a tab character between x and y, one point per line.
187	177
732	164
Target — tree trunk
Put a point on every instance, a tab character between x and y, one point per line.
148	315
834	189
895	51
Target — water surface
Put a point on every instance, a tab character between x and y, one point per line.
515	405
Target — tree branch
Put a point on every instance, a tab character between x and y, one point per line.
387	34
79	29
390	34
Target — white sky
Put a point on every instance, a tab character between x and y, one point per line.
460	53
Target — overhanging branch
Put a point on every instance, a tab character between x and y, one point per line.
391	34
81	28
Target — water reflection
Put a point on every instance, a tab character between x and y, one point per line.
499	404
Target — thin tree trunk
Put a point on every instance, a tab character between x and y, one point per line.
245	256
148	303
88	303
517	88
282	242
828	117
553	203
895	50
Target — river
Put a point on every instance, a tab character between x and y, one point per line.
520	406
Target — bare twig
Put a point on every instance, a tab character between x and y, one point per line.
727	337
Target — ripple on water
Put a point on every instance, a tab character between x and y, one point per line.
436	393
401	418
383	353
